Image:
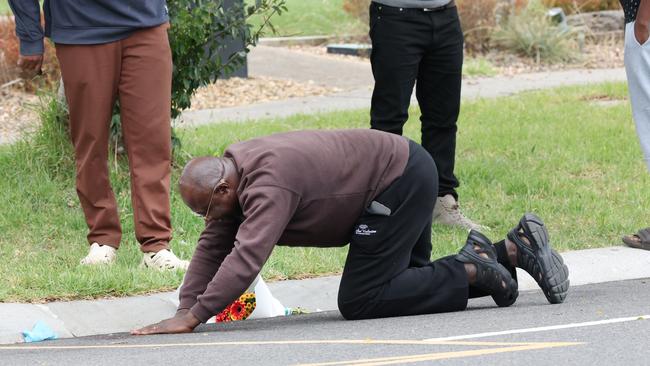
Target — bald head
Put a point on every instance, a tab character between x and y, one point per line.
198	180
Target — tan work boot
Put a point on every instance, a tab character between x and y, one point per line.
447	212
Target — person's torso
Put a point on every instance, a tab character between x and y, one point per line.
336	174
630	8
100	21
414	3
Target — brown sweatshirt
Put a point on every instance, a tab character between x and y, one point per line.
305	188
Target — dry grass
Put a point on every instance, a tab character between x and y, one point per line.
478	19
573	6
237	91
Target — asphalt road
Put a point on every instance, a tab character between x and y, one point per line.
603	324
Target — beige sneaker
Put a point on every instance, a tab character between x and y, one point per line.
99	254
163	260
447	212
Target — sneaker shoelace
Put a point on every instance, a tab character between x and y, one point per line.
454	211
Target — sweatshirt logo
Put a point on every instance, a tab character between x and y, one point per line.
364	230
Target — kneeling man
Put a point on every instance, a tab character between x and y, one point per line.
371	189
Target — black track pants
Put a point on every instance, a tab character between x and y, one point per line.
388	271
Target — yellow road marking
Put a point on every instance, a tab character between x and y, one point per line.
445	355
288	342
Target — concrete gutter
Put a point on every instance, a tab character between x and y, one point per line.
82	318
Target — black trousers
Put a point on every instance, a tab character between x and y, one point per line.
410	45
388	271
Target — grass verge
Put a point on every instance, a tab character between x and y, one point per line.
478	67
560	153
314	17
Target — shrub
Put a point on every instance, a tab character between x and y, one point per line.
9	53
197	35
532	33
572	6
478	19
49	149
358	9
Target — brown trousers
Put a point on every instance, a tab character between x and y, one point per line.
137	70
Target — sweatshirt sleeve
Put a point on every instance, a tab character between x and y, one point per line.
267	211
215	242
28	26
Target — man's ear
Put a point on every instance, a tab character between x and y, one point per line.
223	186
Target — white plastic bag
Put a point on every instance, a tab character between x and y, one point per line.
266	306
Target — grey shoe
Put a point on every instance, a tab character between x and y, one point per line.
447	212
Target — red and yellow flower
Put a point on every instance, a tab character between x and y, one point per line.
240	309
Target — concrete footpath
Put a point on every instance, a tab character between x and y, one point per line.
82	318
354	78
359	98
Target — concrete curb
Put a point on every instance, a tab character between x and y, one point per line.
82	318
295	41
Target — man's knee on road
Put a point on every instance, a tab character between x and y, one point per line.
351	310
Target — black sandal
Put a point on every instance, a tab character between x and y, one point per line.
543	263
640	240
490	274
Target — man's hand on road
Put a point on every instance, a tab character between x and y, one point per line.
30	65
182	322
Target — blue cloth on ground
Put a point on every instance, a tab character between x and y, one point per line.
40	332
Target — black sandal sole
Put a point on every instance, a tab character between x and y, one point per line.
540	259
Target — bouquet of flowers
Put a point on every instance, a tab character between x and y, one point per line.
240	309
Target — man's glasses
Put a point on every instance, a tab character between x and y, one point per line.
222	180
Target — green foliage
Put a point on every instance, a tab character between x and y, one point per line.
198	33
532	33
200	30
49	150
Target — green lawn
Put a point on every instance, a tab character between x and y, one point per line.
4	7
576	164
315	17
478	66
